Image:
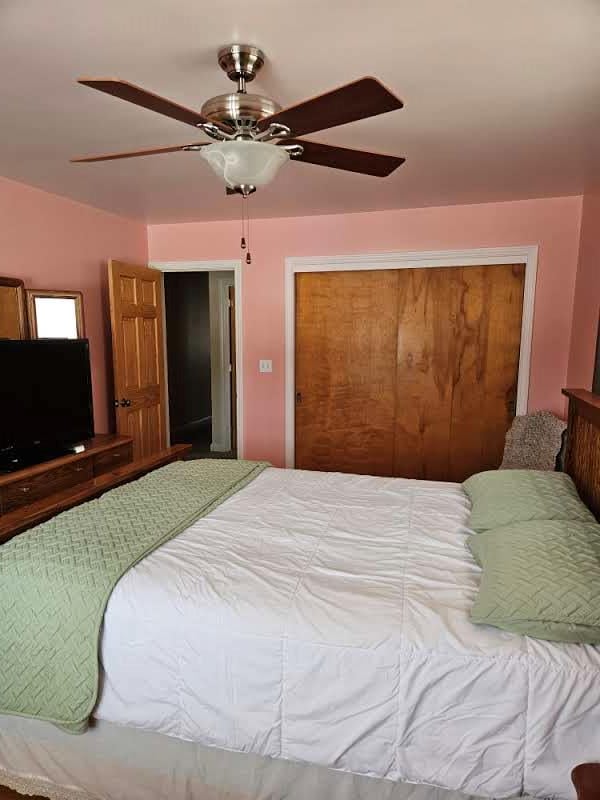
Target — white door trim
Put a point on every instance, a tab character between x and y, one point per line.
527	254
234	266
220	367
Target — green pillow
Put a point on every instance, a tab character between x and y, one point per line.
540	579
501	497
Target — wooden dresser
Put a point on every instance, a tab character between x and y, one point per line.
33	495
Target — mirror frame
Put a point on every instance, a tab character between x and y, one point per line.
32	294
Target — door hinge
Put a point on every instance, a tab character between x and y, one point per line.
230	368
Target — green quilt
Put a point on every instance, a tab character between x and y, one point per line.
56	579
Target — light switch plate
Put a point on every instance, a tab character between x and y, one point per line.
265	365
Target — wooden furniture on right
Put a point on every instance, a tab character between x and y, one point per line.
586	779
582	462
407	372
582	458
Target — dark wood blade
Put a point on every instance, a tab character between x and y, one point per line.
326	155
140	97
363	98
133	154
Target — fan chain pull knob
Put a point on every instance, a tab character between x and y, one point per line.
243	243
248	258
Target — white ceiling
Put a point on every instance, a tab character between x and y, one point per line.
502	98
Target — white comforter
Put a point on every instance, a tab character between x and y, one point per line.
324	618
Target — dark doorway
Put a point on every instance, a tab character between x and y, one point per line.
201	357
188	359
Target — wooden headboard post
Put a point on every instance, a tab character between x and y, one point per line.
582	463
582	460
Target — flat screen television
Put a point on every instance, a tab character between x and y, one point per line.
45	399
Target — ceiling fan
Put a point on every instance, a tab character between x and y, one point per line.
253	135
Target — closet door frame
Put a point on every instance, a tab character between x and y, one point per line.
479	257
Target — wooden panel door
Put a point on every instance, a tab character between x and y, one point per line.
346	324
136	309
458	358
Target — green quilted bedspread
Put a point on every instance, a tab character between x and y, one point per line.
56	579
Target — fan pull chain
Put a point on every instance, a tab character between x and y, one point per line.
248	255
245	243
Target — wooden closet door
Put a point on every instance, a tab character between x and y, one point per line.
346	329
486	372
427	351
459	338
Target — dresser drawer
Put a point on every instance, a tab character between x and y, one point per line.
28	490
111	459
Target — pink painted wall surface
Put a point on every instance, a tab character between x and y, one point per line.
51	242
587	296
553	224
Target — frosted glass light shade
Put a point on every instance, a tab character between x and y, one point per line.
241	162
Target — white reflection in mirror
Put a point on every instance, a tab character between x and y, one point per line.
56	318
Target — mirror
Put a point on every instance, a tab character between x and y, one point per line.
55	315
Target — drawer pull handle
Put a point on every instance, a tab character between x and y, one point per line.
116	455
25	488
79	469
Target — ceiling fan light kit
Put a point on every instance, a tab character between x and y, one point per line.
244	124
245	163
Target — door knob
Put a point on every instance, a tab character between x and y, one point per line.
124	403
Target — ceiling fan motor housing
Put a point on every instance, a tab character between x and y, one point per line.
241	61
239	109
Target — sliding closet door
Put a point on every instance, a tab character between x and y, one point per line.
409	372
458	359
346	329
427	352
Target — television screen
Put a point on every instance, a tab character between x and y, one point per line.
45	392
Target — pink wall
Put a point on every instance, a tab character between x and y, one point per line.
587	296
51	242
553	224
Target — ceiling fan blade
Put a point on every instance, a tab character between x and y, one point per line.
140	97
363	98
133	154
326	155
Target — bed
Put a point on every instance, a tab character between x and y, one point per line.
322	619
